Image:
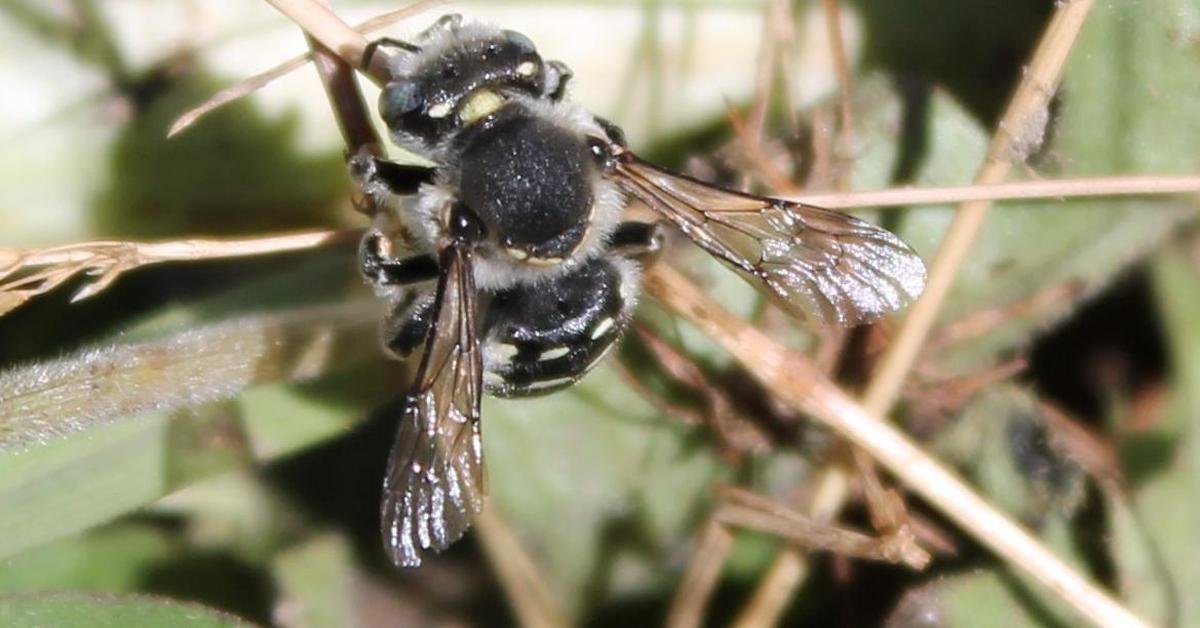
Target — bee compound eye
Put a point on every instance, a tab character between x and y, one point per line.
398	98
523	44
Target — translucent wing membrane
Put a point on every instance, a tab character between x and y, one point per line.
435	479
822	263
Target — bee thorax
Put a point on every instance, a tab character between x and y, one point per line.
530	182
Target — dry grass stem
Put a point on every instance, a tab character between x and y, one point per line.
258	81
533	602
796	382
976	324
745	509
1029	103
775	590
736	434
323	25
888	514
1023	190
701	577
841	66
27	274
764	73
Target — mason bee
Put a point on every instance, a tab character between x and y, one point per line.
517	273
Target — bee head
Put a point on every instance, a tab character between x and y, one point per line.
458	74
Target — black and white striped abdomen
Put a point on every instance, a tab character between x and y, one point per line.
541	337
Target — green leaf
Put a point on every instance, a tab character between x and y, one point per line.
110	559
1001	439
316	579
1127	106
90	610
593	476
980	600
97	459
71	484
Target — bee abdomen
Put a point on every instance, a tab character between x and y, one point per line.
541	338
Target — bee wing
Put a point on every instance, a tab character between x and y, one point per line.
819	262
435	480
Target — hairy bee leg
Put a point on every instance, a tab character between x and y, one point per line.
615	134
640	240
386	42
384	270
381	176
558	74
407	324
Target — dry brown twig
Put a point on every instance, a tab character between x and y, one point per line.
796	382
748	510
57	264
844	144
533	601
700	579
262	79
736	434
990	192
27	274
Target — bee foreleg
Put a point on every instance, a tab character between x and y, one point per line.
380	176
386	42
385	270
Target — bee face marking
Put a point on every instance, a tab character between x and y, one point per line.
440	110
480	104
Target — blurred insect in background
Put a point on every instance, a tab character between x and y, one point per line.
510	262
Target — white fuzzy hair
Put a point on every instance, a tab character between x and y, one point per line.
437	42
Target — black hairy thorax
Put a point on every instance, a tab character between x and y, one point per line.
530	181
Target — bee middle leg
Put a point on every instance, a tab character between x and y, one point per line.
640	240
